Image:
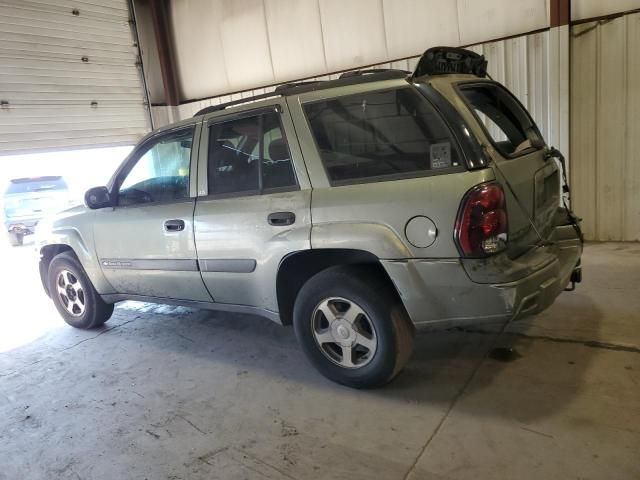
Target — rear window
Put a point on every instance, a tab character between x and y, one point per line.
508	124
40	184
381	135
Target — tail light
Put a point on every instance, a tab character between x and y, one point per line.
481	227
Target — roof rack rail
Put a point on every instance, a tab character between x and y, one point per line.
240	101
287	86
369	71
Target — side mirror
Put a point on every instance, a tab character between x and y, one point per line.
97	197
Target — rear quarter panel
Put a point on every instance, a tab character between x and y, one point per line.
372	216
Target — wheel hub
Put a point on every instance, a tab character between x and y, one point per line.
71	293
344	332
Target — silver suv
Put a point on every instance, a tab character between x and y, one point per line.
354	209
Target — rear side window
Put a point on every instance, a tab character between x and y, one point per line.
249	155
507	123
39	184
381	135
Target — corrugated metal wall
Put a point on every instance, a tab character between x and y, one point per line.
605	127
47	89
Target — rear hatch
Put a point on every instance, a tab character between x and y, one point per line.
531	181
35	197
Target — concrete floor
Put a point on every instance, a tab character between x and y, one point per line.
170	393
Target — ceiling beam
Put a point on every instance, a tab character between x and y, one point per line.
164	44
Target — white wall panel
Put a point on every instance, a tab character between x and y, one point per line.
231	45
584	9
244	23
48	88
605	130
520	63
299	20
353	33
479	21
411	25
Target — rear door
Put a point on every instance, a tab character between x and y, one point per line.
253	206
145	243
531	182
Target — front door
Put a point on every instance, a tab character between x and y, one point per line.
145	243
254	204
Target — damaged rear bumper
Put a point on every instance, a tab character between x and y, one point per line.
453	292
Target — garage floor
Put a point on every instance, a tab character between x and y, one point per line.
170	393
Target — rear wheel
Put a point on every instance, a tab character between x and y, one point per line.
16	239
352	326
73	294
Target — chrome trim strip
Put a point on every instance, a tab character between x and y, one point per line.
174	265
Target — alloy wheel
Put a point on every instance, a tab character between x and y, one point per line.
344	332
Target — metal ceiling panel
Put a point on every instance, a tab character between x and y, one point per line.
413	25
353	33
284	24
585	9
499	18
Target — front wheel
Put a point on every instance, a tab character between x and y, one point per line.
352	326
73	294
16	239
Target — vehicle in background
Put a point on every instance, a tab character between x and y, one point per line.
27	200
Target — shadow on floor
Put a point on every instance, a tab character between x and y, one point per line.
442	365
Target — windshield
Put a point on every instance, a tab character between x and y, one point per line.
39	184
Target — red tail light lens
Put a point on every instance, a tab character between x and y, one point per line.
481	227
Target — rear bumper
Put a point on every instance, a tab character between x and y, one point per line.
448	291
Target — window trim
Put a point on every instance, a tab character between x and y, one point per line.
140	150
256	112
392	176
460	86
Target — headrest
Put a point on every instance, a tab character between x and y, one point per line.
278	150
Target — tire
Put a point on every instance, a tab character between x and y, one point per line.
73	294
380	333
16	239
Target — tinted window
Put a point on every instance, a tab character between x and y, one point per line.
39	184
249	155
506	122
161	174
377	134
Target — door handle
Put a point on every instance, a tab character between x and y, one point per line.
174	225
281	219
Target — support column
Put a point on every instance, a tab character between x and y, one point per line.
164	43
558	76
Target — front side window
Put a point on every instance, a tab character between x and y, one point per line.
507	123
161	174
392	134
249	155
